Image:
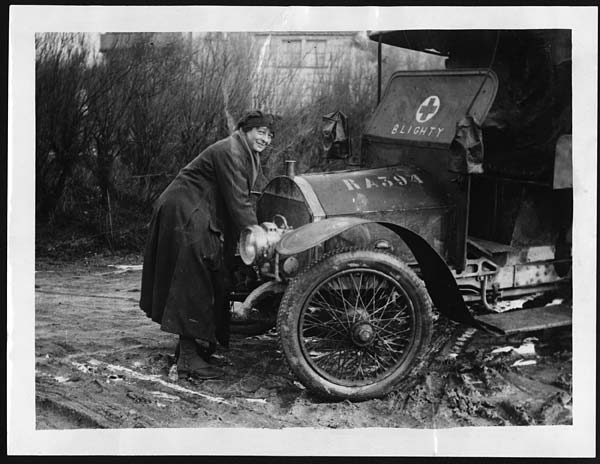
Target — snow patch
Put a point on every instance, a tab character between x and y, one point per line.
524	362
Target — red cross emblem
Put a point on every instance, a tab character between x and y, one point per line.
428	109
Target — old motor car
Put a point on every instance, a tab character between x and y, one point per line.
461	196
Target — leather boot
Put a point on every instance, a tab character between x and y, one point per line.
205	351
190	364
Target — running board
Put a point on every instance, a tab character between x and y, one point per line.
527	320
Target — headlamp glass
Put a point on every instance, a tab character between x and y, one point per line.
257	243
250	243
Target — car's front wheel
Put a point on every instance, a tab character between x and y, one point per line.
353	324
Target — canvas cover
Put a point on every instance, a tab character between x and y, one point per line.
438	109
532	108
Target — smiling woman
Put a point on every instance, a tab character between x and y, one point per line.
194	228
258	138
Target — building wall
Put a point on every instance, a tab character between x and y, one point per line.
111	41
290	69
303	64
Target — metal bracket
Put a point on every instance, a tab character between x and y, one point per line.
480	267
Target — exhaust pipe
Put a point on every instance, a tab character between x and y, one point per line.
290	168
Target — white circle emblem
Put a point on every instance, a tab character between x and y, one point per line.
428	109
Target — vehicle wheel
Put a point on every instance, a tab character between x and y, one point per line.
353	324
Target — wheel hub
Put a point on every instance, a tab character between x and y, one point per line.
363	334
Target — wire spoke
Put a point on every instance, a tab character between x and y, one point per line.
381	312
341	312
385	357
386	305
358	296
358	373
389	347
344	300
374	358
332	310
319	324
388	324
397	318
376	291
327	359
384	333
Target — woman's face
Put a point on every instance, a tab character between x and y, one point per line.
259	138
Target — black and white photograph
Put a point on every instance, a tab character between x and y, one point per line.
356	231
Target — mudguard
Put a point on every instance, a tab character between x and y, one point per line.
438	279
311	234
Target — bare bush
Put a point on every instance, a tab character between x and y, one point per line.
62	136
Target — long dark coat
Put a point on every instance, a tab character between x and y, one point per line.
195	226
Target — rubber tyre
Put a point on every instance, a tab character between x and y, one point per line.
340	265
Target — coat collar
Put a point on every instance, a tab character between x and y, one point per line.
242	141
254	156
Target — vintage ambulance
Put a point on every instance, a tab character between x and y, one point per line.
459	202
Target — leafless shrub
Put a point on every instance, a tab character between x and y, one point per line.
61	134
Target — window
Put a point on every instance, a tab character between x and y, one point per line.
290	53
301	52
316	56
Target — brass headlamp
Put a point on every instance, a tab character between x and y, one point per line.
257	242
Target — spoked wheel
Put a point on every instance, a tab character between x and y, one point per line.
352	325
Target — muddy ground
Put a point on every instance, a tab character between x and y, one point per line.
100	363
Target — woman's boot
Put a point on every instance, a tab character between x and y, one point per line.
190	364
204	349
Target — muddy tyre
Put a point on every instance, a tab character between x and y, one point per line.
353	324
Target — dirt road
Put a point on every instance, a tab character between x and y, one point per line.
100	363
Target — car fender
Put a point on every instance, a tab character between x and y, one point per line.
311	234
436	274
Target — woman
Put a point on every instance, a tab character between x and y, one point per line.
195	226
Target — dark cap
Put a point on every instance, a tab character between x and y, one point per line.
256	119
